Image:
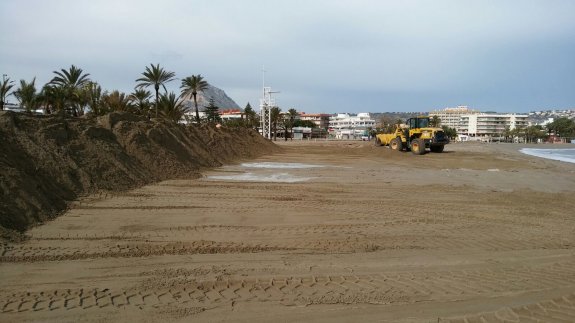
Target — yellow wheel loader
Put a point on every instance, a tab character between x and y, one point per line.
416	135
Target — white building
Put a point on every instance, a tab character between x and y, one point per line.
450	116
489	125
347	126
346	121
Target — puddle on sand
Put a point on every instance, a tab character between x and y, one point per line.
251	177
280	165
267	176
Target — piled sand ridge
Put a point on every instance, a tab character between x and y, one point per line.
313	232
47	162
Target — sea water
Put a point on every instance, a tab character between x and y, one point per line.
566	155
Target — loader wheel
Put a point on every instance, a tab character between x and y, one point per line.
437	149
418	146
377	142
396	144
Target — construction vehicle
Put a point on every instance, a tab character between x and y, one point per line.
416	135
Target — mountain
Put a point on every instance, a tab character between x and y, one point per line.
221	99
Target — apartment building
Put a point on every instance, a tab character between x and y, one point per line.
450	116
489	124
320	119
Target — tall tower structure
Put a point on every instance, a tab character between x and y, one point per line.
266	104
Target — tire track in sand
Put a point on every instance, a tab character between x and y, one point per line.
400	287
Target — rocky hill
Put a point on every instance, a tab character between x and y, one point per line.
221	99
48	161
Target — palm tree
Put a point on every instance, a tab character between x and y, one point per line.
53	98
275	116
140	99
156	77
72	81
115	101
92	93
26	95
172	107
5	87
292	114
191	85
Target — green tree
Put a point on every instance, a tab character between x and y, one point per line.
562	127
93	97
191	85
53	98
171	107
451	133
213	113
156	77
115	101
26	95
292	114
140	99
5	88
506	134
251	117
71	81
304	123
435	121
533	133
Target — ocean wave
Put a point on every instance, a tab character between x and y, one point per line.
566	155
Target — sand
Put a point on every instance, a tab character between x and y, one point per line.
480	233
48	161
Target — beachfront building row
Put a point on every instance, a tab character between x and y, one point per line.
474	125
490	125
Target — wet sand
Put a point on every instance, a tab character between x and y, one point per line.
480	233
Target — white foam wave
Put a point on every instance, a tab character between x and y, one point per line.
566	155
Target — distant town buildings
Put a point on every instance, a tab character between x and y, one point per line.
545	117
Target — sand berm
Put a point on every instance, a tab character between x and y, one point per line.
48	161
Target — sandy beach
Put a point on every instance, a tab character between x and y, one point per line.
319	232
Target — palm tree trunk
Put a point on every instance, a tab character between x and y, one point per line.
157	88
197	112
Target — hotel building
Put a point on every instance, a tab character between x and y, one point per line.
450	116
489	124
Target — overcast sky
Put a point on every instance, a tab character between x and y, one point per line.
324	56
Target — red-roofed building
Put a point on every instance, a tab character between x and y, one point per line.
231	114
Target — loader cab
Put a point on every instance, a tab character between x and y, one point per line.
418	122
